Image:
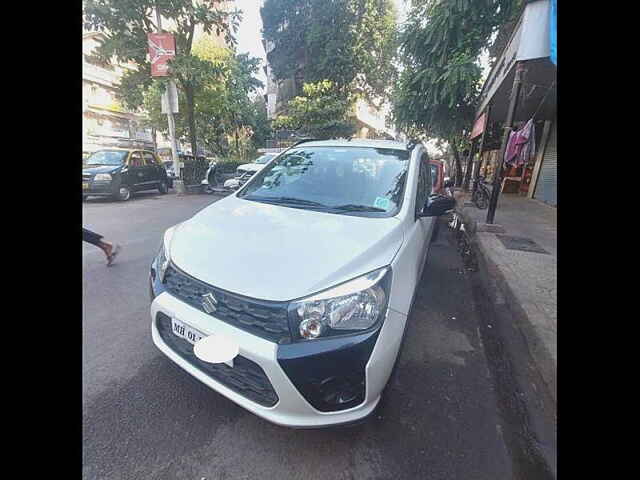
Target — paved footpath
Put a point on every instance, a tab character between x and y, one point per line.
144	418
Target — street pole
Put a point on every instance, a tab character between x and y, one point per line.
177	184
513	104
476	174
467	173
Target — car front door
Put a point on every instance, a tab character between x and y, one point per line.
424	224
409	262
137	170
153	170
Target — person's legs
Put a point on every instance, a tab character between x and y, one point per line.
91	237
95	239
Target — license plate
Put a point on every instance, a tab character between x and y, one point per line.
85	186
184	331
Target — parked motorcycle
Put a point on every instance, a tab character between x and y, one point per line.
213	176
480	195
448	186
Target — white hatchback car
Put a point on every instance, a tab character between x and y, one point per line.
291	296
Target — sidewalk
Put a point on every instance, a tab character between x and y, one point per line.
526	281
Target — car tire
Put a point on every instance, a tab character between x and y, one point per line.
123	194
163	187
84	198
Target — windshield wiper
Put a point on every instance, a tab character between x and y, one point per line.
288	200
351	207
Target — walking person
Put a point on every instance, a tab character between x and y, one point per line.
109	249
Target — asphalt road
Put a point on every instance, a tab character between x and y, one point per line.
144	418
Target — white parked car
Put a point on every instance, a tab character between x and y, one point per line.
245	171
255	166
291	296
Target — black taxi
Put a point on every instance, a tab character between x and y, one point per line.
118	173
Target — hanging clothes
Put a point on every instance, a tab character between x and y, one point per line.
521	145
511	151
527	141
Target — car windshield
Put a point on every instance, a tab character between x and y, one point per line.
107	157
263	159
349	180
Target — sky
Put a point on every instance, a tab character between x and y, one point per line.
249	34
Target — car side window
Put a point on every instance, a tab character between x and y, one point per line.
424	184
149	160
135	160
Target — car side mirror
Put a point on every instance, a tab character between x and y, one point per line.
448	183
437	205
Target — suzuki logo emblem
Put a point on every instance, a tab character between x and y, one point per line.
209	302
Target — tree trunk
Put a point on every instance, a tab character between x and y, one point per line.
188	91
456	157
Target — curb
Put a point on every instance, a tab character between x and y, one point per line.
526	384
502	293
525	401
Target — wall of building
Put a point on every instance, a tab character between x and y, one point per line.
105	123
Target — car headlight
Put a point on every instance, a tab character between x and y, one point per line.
103	177
164	255
351	307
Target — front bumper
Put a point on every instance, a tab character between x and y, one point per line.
97	188
291	408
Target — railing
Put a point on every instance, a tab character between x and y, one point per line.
194	171
284	139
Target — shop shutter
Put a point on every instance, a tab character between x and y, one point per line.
547	186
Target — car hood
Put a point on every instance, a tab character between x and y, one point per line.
271	252
101	169
251	167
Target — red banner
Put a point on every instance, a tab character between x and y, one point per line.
479	126
162	48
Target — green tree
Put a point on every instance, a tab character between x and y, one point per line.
350	43
223	110
126	24
438	90
322	111
261	125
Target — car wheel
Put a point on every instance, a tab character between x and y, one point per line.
163	187
84	197
124	193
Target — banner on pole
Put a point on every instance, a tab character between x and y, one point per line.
162	48
479	126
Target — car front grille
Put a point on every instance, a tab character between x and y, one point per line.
262	318
245	377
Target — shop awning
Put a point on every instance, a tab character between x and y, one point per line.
530	44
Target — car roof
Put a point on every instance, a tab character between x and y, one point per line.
120	149
356	142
